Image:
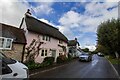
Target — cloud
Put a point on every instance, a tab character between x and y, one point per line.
67	32
94	14
12	12
112	0
70	18
99	13
72	23
90	47
98	0
43	8
91	18
41	0
50	23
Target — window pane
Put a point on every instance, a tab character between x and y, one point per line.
49	38
43	37
42	54
45	52
9	43
1	42
46	38
60	42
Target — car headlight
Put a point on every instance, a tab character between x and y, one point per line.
27	70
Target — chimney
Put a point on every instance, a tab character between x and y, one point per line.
28	11
76	39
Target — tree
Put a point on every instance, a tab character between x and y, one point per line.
85	50
101	48
108	36
32	50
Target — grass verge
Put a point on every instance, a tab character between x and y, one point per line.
113	60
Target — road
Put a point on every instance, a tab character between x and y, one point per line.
99	67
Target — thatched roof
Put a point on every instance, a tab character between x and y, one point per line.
37	26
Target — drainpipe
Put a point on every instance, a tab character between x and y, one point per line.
23	53
21	23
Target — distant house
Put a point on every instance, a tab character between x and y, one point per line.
12	41
53	42
74	48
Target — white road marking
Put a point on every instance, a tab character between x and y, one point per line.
94	62
114	69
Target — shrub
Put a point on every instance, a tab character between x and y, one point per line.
69	57
49	60
61	59
32	65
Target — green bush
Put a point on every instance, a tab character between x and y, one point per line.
62	59
32	65
49	60
69	57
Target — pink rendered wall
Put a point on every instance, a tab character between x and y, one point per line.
52	44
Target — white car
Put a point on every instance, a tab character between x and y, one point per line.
85	57
12	68
100	54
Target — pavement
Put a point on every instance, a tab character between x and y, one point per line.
99	67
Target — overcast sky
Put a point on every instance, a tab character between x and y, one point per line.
78	19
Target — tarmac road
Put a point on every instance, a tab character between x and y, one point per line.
99	67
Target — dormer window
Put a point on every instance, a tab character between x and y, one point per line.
6	43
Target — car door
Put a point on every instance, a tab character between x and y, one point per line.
0	69
6	71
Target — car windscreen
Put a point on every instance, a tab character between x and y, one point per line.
6	59
84	54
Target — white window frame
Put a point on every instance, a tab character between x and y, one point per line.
44	52
5	43
60	52
60	42
45	38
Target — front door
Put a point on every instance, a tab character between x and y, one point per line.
54	54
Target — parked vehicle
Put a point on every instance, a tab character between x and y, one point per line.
12	68
85	57
100	54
